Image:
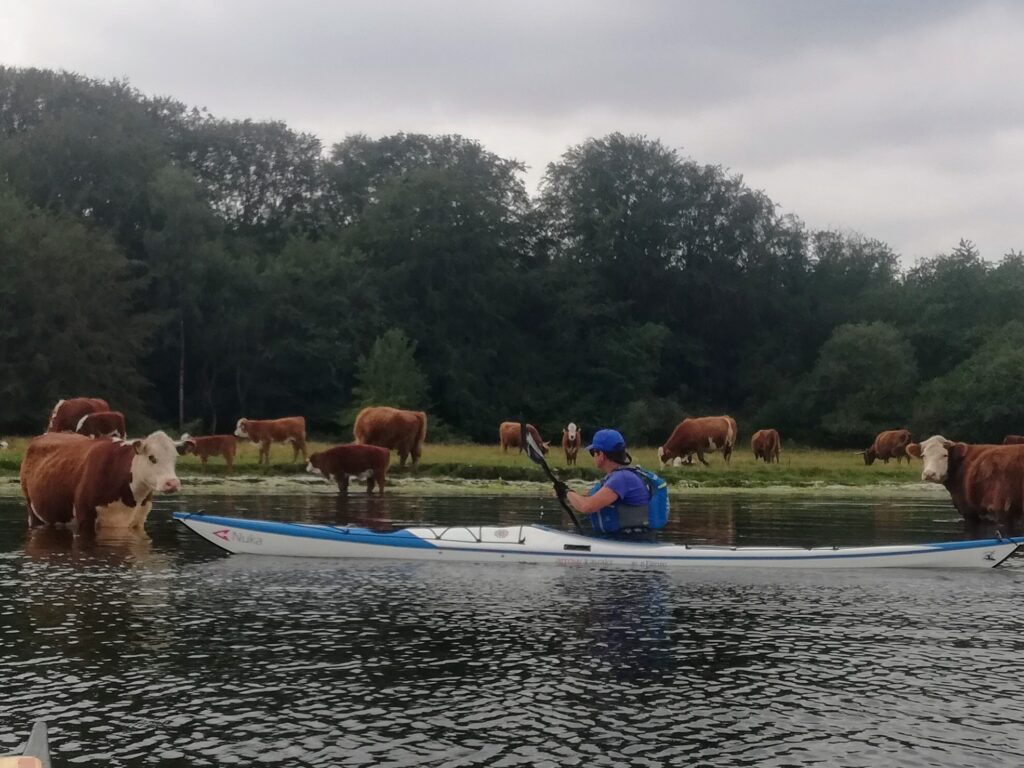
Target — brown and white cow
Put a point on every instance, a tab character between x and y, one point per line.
766	445
509	435
891	444
984	481
290	429
394	429
572	440
342	461
67	413
1013	440
211	445
96	482
102	424
706	433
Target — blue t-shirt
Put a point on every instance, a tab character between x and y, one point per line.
629	487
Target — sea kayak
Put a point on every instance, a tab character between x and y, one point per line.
36	753
540	544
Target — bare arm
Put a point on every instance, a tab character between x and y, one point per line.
603	497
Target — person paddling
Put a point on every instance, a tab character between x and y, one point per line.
628	500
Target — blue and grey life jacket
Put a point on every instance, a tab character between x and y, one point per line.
622	517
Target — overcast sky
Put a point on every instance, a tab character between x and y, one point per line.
900	120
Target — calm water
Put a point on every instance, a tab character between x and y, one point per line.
163	651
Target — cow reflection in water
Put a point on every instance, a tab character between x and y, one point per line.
368	512
109	546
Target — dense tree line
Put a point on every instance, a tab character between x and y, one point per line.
192	269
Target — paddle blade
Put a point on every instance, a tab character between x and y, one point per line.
533	450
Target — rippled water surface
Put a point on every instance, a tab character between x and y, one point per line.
163	651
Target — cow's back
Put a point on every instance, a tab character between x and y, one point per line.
67	413
389	427
1013	440
892	443
51	471
987	480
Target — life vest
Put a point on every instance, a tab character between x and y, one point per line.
620	517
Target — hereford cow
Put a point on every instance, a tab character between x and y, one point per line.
1013	440
984	481
102	424
572	439
394	429
211	445
891	444
291	429
341	461
96	482
707	433
4	445
509	435
67	413
766	445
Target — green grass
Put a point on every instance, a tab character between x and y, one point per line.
800	467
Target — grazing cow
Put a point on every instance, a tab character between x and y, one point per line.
509	436
1013	440
67	413
766	445
96	482
211	445
102	424
984	481
891	444
394	429
341	461
707	433
291	429
572	439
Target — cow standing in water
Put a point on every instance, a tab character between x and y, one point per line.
509	436
572	440
291	429
891	444
984	481
96	482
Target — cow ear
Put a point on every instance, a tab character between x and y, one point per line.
137	446
913	449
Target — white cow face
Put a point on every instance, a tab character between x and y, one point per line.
240	428
934	452
311	469
3	445
571	431
153	465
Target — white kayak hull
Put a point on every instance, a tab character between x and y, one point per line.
539	544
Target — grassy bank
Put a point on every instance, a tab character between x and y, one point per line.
800	467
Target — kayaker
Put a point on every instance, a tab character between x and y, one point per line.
628	500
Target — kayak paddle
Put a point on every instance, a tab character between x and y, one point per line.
537	457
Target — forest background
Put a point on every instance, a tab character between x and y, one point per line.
192	270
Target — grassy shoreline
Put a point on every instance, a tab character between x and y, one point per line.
469	467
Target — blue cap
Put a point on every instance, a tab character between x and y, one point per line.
607	440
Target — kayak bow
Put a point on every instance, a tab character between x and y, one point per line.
539	544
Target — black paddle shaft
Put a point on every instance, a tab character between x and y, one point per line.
536	455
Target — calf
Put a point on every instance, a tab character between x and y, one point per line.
96	482
291	429
102	424
341	461
572	439
211	445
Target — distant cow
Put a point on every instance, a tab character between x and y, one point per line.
291	429
67	413
766	445
984	481
509	436
96	482
342	461
707	433
211	445
572	439
102	424
394	429
891	444
1013	440
4	445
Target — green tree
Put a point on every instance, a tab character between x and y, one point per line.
390	375
863	382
